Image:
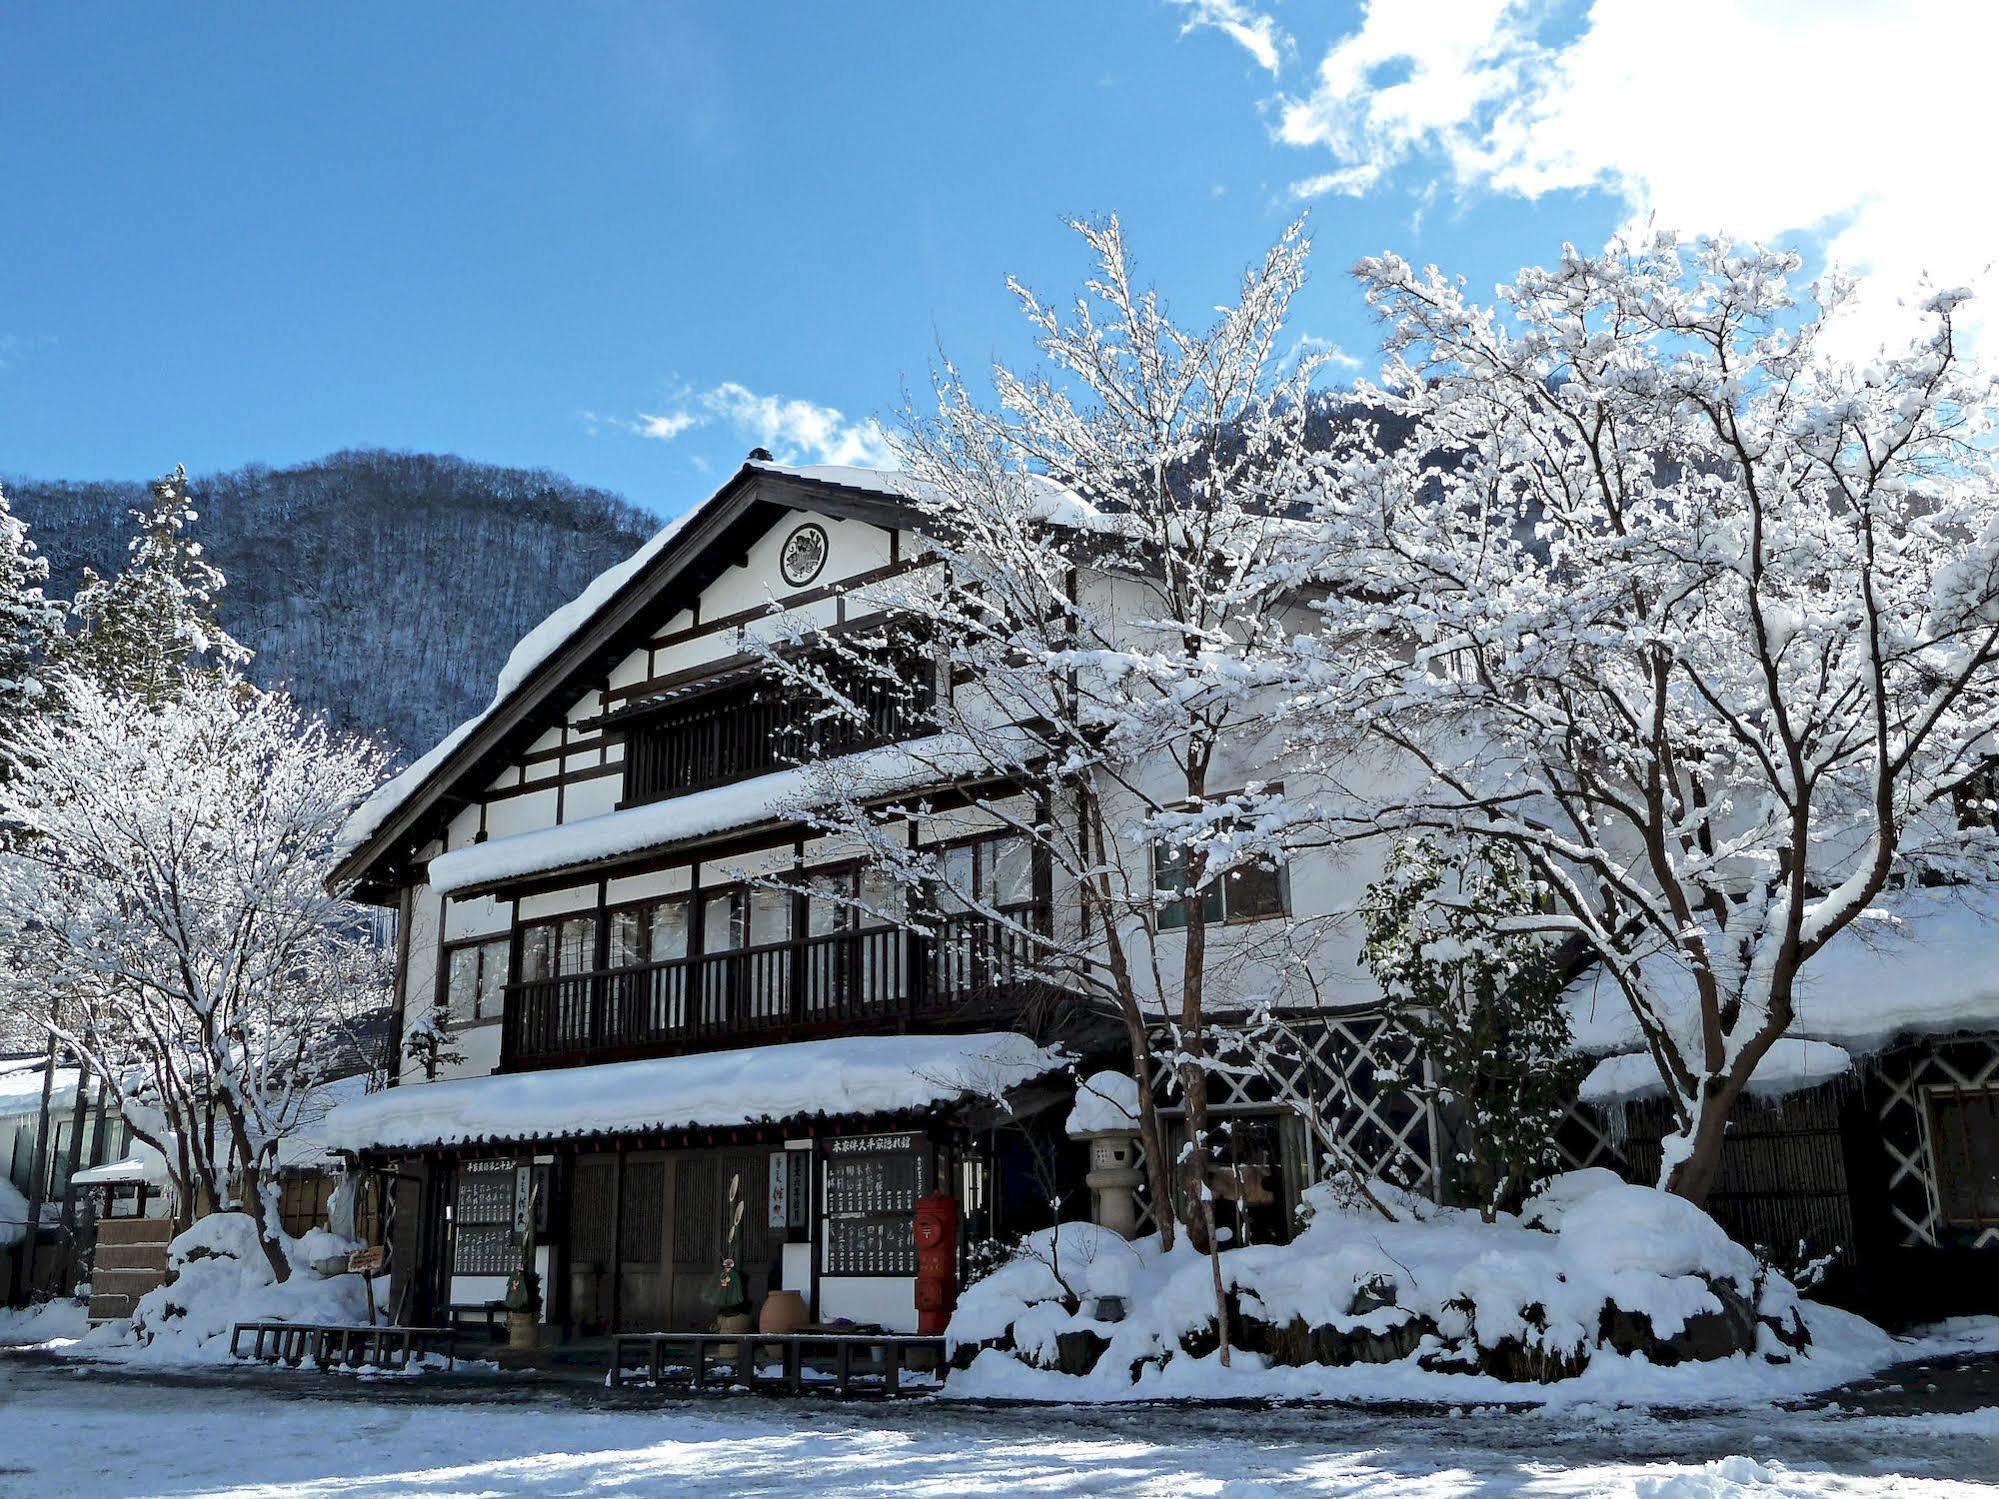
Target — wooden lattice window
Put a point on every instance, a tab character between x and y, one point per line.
1964	1146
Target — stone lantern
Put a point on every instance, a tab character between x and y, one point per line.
1106	1115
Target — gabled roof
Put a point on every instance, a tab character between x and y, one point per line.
587	636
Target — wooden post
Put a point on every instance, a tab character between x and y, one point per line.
37	1184
617	1239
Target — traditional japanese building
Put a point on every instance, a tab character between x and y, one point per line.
675	1032
684	1024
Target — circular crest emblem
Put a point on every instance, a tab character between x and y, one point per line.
804	555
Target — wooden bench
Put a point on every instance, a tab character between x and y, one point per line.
344	1346
833	1353
465	1311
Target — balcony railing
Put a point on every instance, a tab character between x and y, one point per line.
732	735
856	980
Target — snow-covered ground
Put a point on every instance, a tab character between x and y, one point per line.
68	1430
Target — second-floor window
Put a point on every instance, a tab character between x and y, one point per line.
655	932
557	949
474	974
1245	893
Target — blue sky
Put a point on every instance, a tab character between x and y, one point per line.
519	232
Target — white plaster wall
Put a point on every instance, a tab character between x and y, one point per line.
889	1301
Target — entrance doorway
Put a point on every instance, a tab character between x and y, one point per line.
671	1225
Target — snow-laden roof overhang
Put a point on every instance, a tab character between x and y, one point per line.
840	1076
777	798
550	653
1918	963
141	1166
21	1088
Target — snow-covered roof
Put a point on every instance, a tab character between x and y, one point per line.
1918	962
141	1166
1788	1066
869	774
21	1087
547	638
844	1075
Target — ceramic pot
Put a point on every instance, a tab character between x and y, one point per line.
783	1312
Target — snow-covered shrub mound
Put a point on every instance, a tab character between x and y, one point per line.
217	1276
1597	1284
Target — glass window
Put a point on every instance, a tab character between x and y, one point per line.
826	907
628	936
537	953
1011	873
770	916
653	933
667	937
882	899
1964	1137
1169	877
461	990
577	949
492	975
959	877
721	926
475	978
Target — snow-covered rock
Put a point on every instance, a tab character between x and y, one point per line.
1597	1285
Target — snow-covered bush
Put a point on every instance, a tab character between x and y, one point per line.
1484	1005
1595	1280
218	1275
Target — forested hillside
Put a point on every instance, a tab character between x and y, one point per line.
384	588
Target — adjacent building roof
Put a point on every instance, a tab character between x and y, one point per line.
1917	963
844	1075
21	1087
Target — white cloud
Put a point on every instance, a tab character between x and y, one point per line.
664	428
1860	126
1256	32
795	431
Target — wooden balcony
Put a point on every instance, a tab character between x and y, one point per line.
876	978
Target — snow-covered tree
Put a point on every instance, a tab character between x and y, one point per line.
145	628
167	911
1699	622
1484	1005
30	622
1111	561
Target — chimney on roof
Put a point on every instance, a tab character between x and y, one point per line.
760	455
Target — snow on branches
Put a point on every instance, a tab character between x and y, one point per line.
1699	622
1109	555
164	905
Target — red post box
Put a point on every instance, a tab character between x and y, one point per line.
936	1261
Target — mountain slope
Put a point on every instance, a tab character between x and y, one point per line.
385	589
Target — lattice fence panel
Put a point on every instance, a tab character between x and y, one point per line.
1906	1078
1334	1071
